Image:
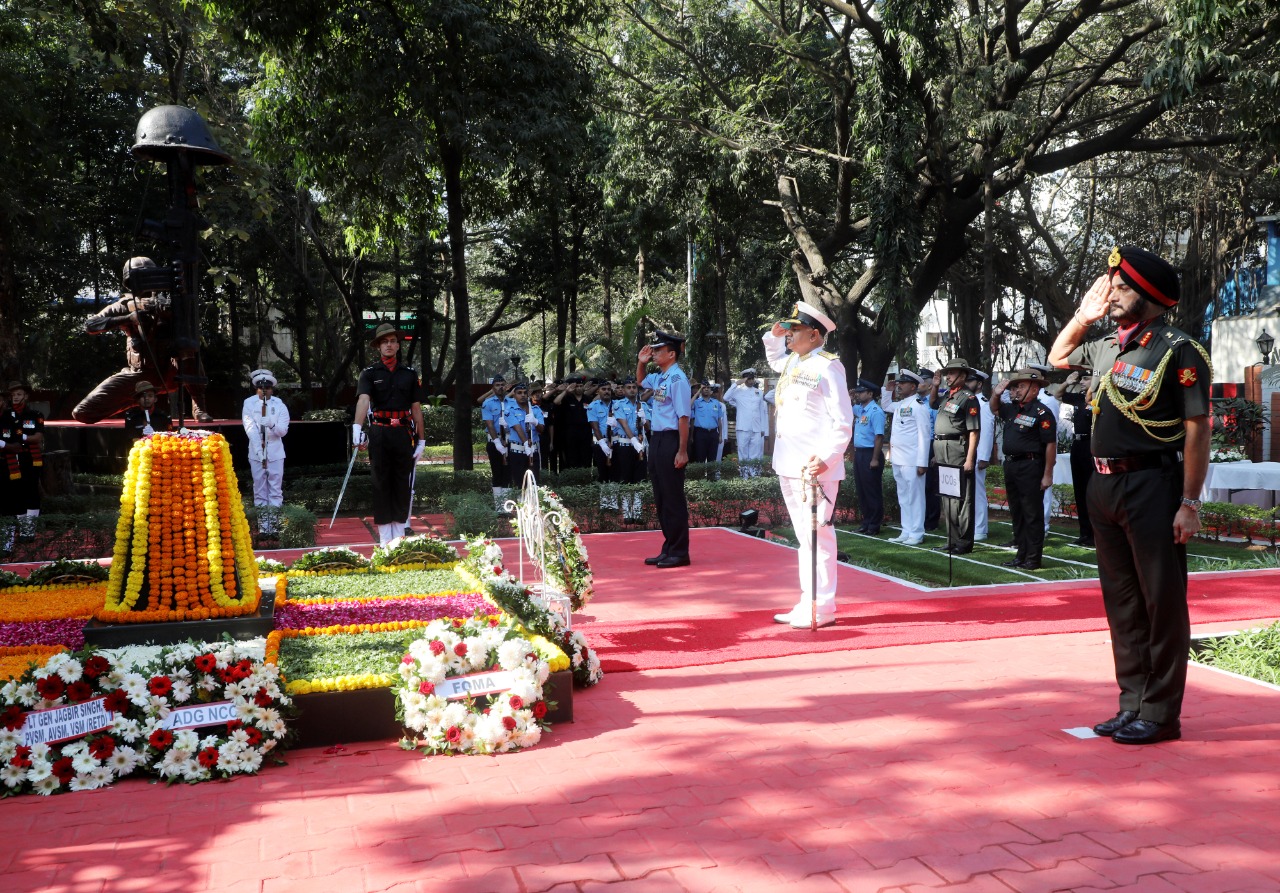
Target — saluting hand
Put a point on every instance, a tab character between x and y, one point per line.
1093	306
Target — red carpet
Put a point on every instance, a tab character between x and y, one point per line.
721	609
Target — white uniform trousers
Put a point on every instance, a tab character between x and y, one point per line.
910	500
268	483
1048	507
980	504
800	509
750	445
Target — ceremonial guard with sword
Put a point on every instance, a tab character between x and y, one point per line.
389	397
266	421
815	423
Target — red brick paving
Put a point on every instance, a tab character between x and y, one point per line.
941	767
909	769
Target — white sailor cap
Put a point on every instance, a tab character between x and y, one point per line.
260	377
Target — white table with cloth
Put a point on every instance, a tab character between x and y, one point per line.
1244	483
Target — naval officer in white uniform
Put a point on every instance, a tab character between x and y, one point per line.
909	447
815	422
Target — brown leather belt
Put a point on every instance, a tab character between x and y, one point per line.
1126	464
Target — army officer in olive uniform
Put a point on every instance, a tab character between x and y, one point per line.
955	443
1030	452
1151	454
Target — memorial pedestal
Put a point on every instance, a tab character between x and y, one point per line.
369	714
249	626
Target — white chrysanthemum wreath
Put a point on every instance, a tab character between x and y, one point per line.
507	670
187	712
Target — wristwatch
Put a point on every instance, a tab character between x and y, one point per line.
1193	504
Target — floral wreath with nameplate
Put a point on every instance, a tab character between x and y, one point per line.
457	662
188	712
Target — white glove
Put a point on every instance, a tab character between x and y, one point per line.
604	448
146	429
529	419
417	453
358	437
498	445
3	444
635	442
610	422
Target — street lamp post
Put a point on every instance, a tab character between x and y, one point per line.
1265	342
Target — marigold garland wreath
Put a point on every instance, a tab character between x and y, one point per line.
511	720
183	549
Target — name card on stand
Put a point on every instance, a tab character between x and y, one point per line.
199	715
475	685
66	723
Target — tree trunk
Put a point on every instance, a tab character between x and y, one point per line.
451	157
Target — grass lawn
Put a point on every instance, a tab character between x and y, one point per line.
1062	560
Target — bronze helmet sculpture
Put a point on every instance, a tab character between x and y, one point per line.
167	130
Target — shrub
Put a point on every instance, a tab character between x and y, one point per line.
473	514
296	525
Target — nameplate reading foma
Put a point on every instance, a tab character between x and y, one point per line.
474	686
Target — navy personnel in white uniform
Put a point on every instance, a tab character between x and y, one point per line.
750	418
815	422
910	445
266	421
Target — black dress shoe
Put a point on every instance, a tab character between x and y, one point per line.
657	559
1008	545
961	550
1086	543
1012	562
674	562
1146	731
1115	723
943	549
1029	565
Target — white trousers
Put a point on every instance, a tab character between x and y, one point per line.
801	511
1048	507
750	445
980	504
268	483
910	500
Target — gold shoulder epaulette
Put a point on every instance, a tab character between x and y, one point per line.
826	355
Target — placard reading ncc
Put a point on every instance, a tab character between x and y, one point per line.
949	480
66	723
477	684
198	715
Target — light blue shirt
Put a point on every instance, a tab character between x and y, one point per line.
707	413
671	398
515	416
598	412
868	421
625	409
495	409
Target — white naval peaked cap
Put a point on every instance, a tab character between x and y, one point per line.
809	315
260	376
